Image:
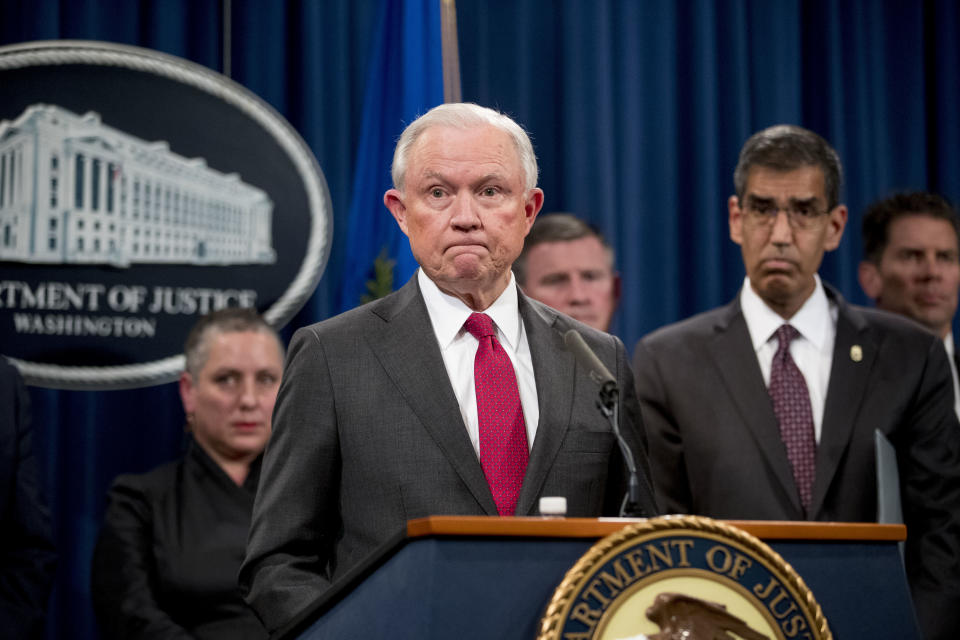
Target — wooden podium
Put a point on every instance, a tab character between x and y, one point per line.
490	578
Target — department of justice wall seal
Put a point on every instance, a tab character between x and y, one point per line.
138	192
682	578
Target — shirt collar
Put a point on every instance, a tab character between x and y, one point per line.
949	344
762	321
448	313
198	453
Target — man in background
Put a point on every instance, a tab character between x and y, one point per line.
566	264
766	409
911	264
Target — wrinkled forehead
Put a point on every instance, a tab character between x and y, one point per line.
579	254
476	144
922	231
800	184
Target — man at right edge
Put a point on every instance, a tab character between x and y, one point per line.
766	408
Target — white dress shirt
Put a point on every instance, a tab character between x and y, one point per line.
816	321
459	348
949	345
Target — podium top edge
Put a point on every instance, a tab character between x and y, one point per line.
601	527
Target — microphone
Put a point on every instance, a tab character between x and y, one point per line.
609	390
607	403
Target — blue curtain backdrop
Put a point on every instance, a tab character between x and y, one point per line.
405	80
637	111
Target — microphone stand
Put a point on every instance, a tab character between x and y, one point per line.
608	404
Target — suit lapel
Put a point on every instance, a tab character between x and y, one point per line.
407	349
734	358
553	368
854	351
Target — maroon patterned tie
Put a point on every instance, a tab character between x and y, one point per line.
791	404
503	436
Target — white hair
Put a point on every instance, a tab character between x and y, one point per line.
463	115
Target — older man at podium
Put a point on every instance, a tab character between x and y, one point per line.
453	395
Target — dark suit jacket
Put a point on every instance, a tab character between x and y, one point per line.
368	434
165	564
26	544
715	447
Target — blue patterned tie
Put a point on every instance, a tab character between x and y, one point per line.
503	435
791	404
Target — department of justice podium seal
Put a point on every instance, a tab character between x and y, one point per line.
682	578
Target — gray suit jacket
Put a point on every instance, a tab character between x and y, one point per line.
368	434
715	447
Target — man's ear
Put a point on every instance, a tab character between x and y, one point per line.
532	206
393	200
836	222
735	219
870	280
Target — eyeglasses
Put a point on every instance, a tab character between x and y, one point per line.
800	215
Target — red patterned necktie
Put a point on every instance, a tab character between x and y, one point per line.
503	436
791	404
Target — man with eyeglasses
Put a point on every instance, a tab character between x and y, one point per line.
765	409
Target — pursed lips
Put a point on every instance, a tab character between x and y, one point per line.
778	264
466	244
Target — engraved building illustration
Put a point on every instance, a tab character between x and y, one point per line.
74	190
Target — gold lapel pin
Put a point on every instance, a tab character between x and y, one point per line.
856	353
